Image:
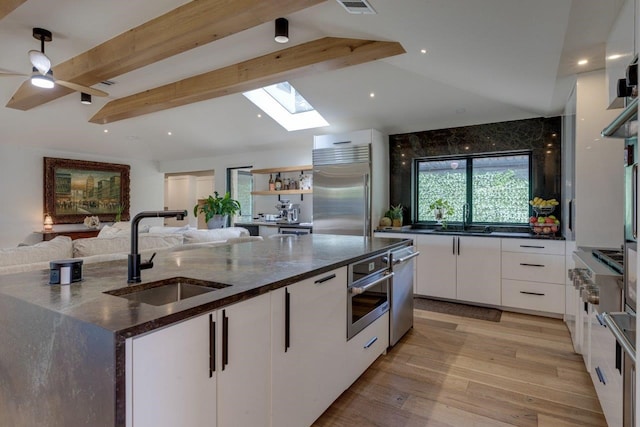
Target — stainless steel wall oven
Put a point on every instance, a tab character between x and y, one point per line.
367	292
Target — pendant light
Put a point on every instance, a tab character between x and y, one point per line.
85	98
282	30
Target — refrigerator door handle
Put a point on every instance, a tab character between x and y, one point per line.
634	201
367	208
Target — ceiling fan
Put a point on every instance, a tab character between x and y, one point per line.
42	74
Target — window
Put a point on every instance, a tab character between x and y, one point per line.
286	106
240	186
496	188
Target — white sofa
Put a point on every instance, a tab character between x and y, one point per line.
114	243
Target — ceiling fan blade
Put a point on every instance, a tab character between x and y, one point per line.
12	74
80	88
40	61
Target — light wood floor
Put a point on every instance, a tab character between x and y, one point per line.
459	372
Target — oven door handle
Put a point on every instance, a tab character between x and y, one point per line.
362	289
405	259
624	342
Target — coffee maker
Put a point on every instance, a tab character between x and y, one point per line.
288	211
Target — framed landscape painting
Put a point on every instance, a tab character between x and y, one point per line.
75	189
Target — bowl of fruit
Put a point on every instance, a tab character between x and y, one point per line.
544	224
542	206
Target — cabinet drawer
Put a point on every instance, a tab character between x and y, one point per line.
535	246
366	346
533	295
533	267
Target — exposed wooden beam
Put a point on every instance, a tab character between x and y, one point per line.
191	25
8	6
325	54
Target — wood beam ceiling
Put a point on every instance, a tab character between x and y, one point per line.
320	55
191	25
8	6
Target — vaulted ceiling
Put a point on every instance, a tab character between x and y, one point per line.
179	67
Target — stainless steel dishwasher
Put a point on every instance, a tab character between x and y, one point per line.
401	292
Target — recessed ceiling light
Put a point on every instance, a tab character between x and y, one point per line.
372	95
549	145
423	51
259	116
106	131
169	133
614	56
583	62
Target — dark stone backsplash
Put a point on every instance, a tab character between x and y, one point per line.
542	136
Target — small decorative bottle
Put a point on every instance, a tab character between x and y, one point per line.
278	182
272	184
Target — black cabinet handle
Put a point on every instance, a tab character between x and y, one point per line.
453	246
526	264
287	320
618	357
458	246
371	341
571	214
325	279
532	293
601	376
532	246
225	339
212	346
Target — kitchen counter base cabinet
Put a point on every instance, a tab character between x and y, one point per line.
243	366
170	383
459	268
308	348
436	266
533	275
364	348
174	381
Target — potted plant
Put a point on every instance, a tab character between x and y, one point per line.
395	214
441	210
217	209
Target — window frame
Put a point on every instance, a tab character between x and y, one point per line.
468	158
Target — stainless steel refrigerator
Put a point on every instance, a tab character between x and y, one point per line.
342	190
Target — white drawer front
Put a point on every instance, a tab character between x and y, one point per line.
533	296
535	246
533	267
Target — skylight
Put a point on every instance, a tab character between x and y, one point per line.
286	106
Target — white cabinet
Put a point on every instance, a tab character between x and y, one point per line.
364	348
459	267
605	370
243	365
478	270
309	328
436	266
620	49
170	381
533	274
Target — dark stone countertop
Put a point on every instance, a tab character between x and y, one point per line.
251	269
513	232
283	224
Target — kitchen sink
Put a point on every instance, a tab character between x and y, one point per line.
166	291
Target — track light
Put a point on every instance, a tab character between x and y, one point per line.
42	80
282	30
85	98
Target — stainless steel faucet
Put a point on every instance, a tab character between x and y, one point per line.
134	263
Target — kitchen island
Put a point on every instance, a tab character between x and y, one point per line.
64	358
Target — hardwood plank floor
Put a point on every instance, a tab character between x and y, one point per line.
451	371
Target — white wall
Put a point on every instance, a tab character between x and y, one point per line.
599	167
22	182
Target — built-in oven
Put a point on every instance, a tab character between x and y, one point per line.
367	292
